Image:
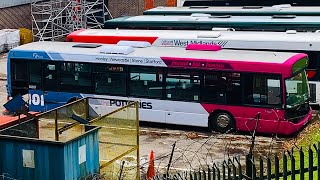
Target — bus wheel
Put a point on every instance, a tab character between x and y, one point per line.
222	122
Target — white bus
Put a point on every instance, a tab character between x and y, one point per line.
237	10
200	85
305	42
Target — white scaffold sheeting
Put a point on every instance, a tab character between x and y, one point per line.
3	40
11	38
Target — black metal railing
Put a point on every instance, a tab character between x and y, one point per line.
290	165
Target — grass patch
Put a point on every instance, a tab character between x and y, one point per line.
304	140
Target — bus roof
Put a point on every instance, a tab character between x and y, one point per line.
291	40
247	2
237	10
237	60
278	23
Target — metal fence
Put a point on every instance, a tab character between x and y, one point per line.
119	142
294	164
118	133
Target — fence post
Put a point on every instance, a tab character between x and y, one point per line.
195	175
261	168
213	172
301	154
254	172
171	155
223	171
229	169
240	168
318	157
249	166
268	169
276	165
234	171
285	166
218	173
310	163
293	166
209	173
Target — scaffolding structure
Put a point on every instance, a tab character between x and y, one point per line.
53	19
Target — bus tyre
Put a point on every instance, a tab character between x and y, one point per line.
222	122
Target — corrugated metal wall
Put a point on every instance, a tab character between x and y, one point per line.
16	17
71	153
47	160
50	161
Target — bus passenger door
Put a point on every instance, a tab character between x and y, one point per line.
262	94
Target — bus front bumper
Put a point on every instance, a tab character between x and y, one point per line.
289	128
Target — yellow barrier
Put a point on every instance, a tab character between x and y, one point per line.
25	36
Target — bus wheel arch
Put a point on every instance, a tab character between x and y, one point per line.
221	121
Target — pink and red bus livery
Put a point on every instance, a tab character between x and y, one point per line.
200	85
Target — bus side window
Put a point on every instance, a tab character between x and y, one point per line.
35	75
50	78
261	89
274	91
146	82
221	88
214	90
75	77
19	70
183	85
110	79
